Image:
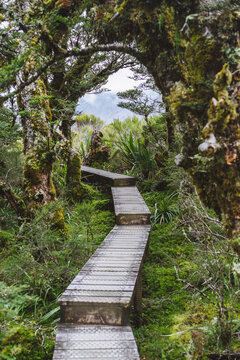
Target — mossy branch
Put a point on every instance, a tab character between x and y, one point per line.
15	201
67	54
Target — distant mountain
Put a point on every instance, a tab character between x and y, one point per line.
103	105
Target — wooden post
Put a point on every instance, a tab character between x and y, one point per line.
137	302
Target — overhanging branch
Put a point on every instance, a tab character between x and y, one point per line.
67	54
33	78
16	202
98	48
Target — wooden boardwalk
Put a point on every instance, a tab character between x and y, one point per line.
94	342
95	307
110	178
130	208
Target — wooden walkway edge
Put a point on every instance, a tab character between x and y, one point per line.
96	305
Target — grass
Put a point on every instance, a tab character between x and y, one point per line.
163	296
183	280
36	265
180	303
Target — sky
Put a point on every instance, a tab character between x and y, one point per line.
120	81
117	82
96	103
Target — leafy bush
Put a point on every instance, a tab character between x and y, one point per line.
190	285
85	146
165	210
137	155
21	339
27	340
37	264
114	131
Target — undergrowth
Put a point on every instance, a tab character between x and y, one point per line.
37	264
190	283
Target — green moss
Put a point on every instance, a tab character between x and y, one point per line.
52	189
38	176
58	221
5	238
222	110
74	169
76	190
202	58
235	244
170	24
22	342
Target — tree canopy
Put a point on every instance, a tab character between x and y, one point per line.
52	52
55	51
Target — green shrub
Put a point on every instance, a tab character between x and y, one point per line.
37	264
137	155
26	341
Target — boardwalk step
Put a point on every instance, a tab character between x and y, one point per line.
130	208
108	177
95	342
102	292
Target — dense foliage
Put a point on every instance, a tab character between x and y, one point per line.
52	53
191	49
57	50
190	276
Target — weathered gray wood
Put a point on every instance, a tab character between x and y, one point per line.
130	208
109	283
87	310
88	301
138	299
92	332
107	177
95	342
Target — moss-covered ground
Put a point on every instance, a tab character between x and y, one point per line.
37	263
186	286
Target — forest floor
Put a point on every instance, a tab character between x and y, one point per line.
182	286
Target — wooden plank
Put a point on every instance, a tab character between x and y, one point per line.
98	295
91	332
93	345
94	342
103	287
91	301
111	267
133	219
108	252
109	354
129	206
98	311
103	281
102	292
103	274
108	177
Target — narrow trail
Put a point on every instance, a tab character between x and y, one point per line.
95	307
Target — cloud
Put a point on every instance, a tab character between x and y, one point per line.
90	98
120	81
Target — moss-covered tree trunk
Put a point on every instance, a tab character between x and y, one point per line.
75	189
62	103
191	48
39	157
38	183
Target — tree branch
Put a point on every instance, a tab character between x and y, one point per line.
98	48
16	202
66	54
33	78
